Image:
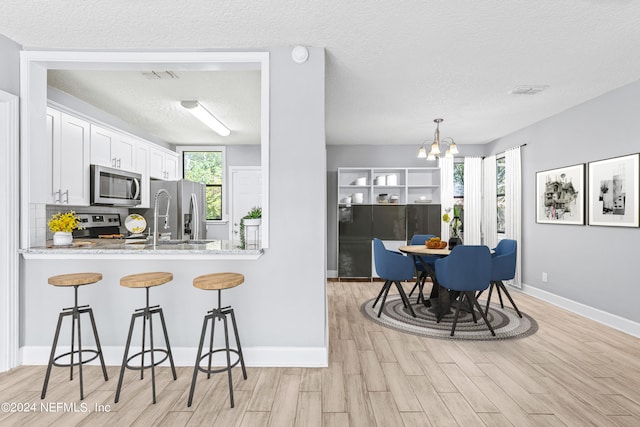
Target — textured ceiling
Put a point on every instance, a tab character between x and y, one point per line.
391	66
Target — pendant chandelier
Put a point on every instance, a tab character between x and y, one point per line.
435	150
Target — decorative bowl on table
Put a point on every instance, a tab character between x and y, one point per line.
435	243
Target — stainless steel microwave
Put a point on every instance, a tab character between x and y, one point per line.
114	187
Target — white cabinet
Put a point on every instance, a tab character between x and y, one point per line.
389	185
142	167
163	164
110	148
69	137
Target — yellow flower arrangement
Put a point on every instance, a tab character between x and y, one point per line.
66	222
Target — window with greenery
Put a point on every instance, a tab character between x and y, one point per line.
206	167
458	180
500	191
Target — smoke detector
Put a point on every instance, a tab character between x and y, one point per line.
528	89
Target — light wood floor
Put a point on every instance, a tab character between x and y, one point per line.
571	372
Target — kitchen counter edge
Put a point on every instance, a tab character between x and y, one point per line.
141	254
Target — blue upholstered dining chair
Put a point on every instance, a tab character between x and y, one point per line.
467	269
503	262
421	273
393	267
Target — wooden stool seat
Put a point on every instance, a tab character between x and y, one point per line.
218	281
146	280
75	279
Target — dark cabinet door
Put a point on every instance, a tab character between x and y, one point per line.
354	258
423	219
389	222
354	241
354	222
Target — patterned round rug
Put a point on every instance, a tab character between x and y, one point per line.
505	321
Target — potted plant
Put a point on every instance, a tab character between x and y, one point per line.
252	218
455	225
62	224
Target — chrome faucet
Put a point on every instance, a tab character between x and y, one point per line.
156	216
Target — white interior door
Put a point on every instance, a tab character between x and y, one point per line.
245	193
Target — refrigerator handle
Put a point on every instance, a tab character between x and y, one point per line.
195	217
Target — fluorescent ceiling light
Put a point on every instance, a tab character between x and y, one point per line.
206	117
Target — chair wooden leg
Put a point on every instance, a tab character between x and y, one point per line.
499	295
506	292
486	311
455	318
381	292
405	300
384	298
475	301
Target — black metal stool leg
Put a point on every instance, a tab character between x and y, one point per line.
196	366
226	343
153	366
52	356
235	331
213	327
76	315
166	341
124	358
95	334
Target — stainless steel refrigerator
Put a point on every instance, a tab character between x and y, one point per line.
186	210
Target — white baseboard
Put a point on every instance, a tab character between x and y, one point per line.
299	357
608	319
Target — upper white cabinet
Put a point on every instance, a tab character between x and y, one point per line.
110	148
69	138
389	185
163	164
142	167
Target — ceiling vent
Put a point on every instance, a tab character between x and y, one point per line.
160	75
528	89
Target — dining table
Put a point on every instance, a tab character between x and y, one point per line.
440	298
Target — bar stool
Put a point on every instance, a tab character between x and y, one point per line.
218	282
75	280
146	281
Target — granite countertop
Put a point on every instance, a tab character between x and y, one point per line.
118	249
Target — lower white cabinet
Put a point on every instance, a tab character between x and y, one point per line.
69	138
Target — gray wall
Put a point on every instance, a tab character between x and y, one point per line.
283	300
9	66
369	156
596	266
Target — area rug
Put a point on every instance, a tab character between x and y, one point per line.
505	321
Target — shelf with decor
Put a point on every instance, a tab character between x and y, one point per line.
388	185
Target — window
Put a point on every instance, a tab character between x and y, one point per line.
500	192
206	167
458	180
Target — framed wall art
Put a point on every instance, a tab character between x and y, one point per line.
560	195
613	191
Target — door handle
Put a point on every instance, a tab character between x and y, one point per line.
119	161
113	162
57	196
66	200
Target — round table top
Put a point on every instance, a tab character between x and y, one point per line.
75	279
423	250
217	281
